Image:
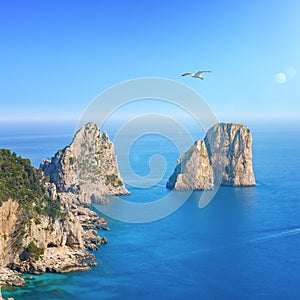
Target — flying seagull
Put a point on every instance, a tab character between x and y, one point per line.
196	75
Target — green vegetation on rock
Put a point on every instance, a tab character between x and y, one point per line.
113	180
23	183
72	160
32	252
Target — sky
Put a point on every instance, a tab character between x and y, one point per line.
57	56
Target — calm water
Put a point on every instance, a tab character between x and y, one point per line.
244	245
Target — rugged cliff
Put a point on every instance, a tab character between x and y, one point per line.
193	170
87	169
40	230
224	157
44	244
230	150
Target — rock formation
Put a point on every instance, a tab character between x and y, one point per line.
40	230
224	157
87	169
10	277
193	170
230	150
62	242
43	225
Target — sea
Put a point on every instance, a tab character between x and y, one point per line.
245	244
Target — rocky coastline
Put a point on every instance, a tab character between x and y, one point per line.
56	231
61	258
87	170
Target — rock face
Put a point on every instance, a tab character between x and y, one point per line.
224	157
40	229
230	150
35	223
63	242
193	170
9	277
9	214
87	169
56	260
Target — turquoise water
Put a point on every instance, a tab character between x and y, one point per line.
244	245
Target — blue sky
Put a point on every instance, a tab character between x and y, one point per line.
56	56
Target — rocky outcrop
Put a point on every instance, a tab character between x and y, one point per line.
10	277
40	229
87	169
56	260
9	215
193	170
92	239
89	219
230	150
61	244
224	157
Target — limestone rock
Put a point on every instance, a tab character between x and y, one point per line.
63	241
33	240
193	170
92	239
9	215
87	169
57	260
89	219
224	157
9	277
230	150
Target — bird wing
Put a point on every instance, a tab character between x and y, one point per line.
187	74
200	72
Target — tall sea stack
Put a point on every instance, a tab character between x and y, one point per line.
87	169
228	148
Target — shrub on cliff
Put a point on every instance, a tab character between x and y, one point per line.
22	182
32	252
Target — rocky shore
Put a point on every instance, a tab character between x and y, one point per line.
56	260
45	224
10	277
64	257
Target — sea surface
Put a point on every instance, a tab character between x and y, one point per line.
244	245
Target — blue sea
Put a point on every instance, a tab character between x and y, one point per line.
245	244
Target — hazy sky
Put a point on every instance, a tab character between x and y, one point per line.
56	56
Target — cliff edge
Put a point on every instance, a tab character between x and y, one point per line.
40	231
